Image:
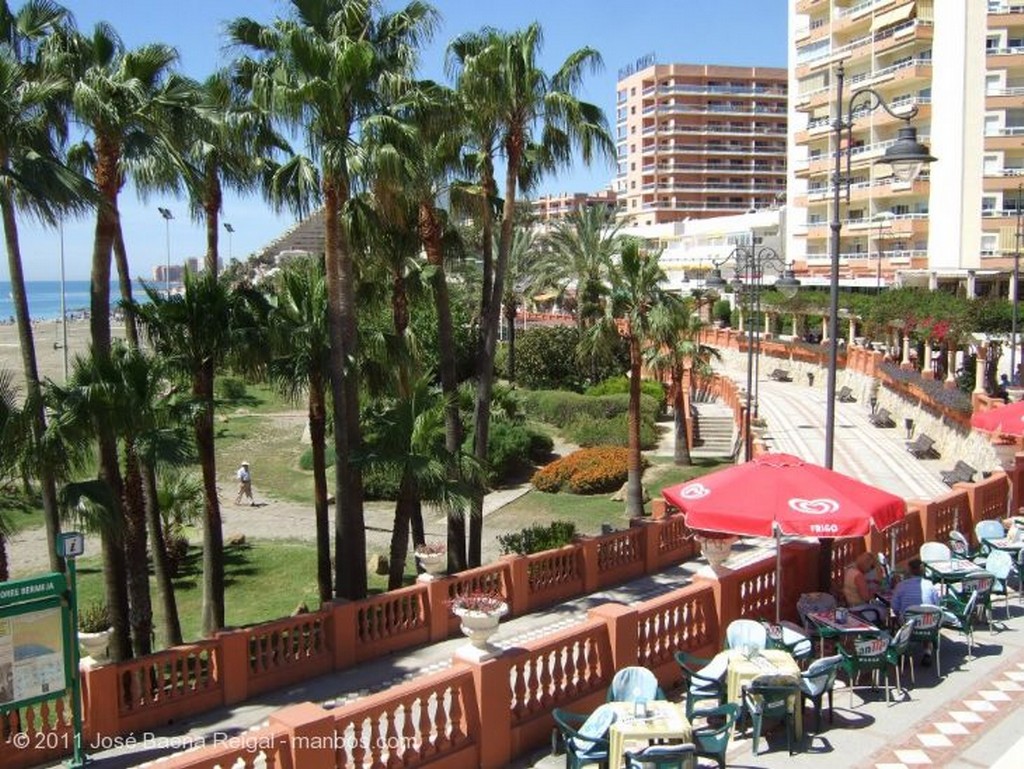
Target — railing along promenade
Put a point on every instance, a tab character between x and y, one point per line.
436	720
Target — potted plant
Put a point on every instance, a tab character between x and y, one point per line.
94	630
715	546
433	558
480	612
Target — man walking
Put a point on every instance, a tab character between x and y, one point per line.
244	484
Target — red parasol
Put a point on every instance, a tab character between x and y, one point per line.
1005	420
781	490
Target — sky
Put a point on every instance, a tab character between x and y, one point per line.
737	32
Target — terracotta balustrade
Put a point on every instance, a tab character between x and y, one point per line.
683	620
551	576
43	732
620	556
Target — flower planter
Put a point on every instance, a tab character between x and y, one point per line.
433	564
95	645
479	626
716	549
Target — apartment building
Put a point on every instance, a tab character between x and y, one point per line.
961	64
549	208
696	141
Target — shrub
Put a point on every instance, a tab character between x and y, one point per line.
231	388
381	482
306	458
559	408
508	448
541	445
536	538
620	384
722	311
595	470
614	431
546	358
93	617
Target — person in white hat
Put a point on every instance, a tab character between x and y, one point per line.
244	484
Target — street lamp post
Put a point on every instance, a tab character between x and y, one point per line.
1014	379
751	262
167	215
231	232
906	156
63	304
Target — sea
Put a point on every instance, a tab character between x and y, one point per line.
44	298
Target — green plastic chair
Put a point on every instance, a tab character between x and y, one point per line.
772	696
713	741
960	615
896	651
927	629
702	680
661	756
868	655
818	680
585	737
982	583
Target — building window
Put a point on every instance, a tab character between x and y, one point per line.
632	110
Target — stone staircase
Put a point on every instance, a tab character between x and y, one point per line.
715	432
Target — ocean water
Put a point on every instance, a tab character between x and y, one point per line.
44	298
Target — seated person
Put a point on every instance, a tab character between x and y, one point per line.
912	591
859	592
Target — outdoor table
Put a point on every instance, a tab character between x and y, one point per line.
665	720
1010	545
741	670
948	572
853	626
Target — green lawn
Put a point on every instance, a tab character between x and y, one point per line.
19	513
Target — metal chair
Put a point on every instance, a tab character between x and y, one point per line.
585	737
927	629
713	741
772	696
661	756
702	680
818	680
634	684
960	615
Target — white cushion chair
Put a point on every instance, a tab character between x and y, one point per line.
934	551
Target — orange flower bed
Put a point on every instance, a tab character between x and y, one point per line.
588	471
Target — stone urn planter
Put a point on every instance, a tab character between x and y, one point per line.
434	561
715	549
480	615
96	644
1014	394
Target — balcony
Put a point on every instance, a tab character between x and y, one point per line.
1005	15
805	6
1003	98
1005	58
1003	179
1008	138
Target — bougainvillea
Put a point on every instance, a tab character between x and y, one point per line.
588	471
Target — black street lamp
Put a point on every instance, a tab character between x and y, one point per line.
231	233
167	215
750	264
907	156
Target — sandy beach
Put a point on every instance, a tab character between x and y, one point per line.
48	343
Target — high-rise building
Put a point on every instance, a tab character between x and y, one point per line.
549	208
696	141
961	63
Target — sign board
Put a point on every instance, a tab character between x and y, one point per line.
34	626
71	544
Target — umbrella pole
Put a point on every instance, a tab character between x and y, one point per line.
892	549
778	575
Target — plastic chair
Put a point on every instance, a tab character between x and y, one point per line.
999	564
980	582
713	741
816	602
934	551
868	655
661	756
702	680
772	696
818	680
988	530
960	615
960	547
634	684
896	651
585	737
788	639
745	632
927	629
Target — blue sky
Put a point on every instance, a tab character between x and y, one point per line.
741	32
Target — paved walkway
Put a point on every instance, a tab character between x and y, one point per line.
967	718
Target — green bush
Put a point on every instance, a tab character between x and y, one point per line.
93	617
620	384
537	538
613	431
231	388
541	445
380	482
546	358
306	458
559	408
512	447
722	311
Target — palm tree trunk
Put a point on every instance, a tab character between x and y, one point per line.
430	236
317	436
34	403
124	280
490	188
634	486
115	584
681	454
489	344
213	534
211	207
161	563
137	567
5	573
400	533
511	315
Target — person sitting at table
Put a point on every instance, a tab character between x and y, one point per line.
858	592
914	590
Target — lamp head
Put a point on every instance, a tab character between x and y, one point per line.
714	281
228	227
907	156
788	284
165	212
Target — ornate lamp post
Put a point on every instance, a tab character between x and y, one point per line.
750	263
907	156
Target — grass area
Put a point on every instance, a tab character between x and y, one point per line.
272	445
260	398
19	512
589	512
264	580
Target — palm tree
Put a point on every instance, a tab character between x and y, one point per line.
299	363
524	275
675	333
499	76
12	438
34	180
581	250
636	292
322	71
194	333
